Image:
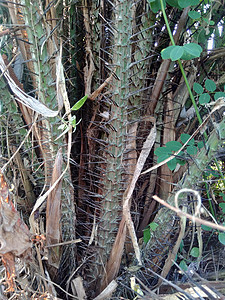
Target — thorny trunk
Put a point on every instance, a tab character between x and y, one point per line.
113	55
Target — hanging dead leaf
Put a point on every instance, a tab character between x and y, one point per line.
14	234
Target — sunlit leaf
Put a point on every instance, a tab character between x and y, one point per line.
79	103
153	226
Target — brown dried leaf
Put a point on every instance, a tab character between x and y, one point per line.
8	260
53	210
12	228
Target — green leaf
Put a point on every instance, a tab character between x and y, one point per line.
218	95
176	53
222	206
162	157
155	5
200	144
79	103
210	85
181	245
186	3
165	53
221	237
153	226
192	150
211	23
194	252
146	235
193	49
183	265
172	164
173	3
73	122
198	88
181	162
173	145
204	98
161	151
206	228
184	138
194	15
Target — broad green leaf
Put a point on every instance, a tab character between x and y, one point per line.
206	228
211	23
155	5
181	162
172	164
194	252
184	138
146	235
183	265
221	237
153	226
162	157
193	49
173	145
79	103
161	150
222	206
165	53
204	98
210	85
200	144
192	150
224	88
173	3
187	56
198	88
194	15
176	53
218	95
186	3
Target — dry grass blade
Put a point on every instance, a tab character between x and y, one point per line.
128	193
